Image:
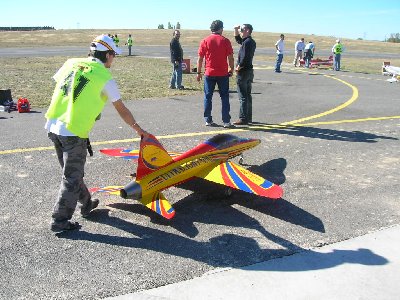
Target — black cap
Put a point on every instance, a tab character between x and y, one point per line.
216	25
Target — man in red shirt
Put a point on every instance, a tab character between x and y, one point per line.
218	52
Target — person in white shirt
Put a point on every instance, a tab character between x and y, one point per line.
309	50
298	51
280	48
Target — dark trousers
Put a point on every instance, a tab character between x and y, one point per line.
279	58
71	153
223	87
244	82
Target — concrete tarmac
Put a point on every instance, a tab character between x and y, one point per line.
365	267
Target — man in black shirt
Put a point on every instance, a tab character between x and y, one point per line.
176	60
245	73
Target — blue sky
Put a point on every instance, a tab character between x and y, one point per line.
367	19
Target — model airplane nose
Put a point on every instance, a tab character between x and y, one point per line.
132	190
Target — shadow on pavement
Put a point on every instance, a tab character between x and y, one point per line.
312	260
319	133
226	250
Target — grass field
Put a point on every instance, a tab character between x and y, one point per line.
139	77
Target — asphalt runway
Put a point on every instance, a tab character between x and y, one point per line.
331	139
163	51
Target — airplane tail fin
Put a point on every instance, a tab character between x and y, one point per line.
156	202
152	156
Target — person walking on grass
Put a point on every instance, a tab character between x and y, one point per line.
83	86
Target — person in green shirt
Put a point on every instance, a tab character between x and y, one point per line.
83	86
129	42
337	51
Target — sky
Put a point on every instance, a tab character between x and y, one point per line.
366	19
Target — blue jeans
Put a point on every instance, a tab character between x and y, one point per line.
244	81
223	87
279	59
176	77
337	62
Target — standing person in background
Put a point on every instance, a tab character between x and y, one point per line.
280	48
83	86
337	51
116	40
129	42
309	50
244	72
216	49
176	60
298	51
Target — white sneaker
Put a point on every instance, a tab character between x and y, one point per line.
228	125
211	124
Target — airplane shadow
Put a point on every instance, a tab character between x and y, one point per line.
320	133
226	250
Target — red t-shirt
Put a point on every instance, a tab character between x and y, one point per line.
216	48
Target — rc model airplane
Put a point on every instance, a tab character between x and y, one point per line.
158	170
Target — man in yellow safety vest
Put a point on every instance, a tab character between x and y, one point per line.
337	51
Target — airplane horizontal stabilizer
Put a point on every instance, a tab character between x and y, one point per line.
129	154
234	176
121	152
159	204
112	189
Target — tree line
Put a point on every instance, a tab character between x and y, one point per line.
178	26
11	28
394	38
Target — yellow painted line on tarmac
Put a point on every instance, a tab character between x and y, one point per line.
348	121
22	150
331	111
